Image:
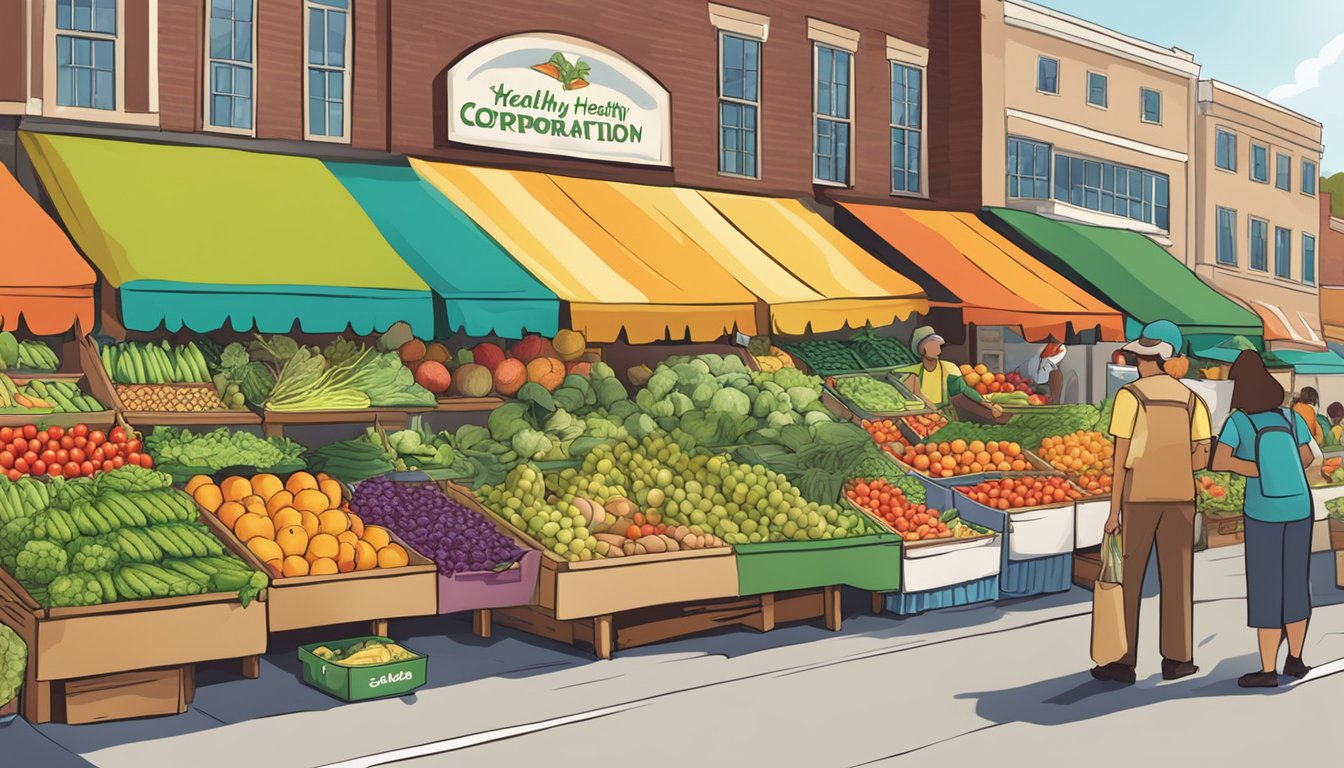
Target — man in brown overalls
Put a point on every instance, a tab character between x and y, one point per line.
1162	433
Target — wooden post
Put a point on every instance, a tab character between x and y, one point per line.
271	429
36	697
1339	570
480	622
879	603
831	601
379	627
602	639
251	667
767	612
188	683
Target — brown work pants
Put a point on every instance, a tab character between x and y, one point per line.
1172	527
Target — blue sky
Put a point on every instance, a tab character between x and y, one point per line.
1256	45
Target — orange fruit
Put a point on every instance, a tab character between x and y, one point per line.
294	566
235	488
312	501
322	476
279	501
208	496
392	556
334	521
251	525
377	536
324	545
345	561
265	549
323	566
293	540
196	482
255	505
949	463
229	512
356	524
333	491
310	524
347	537
266	486
921	462
276	567
287	517
958	446
300	481
366	557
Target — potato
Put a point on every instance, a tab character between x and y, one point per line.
672	545
653	543
611	539
630	548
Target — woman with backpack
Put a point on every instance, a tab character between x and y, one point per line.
1271	446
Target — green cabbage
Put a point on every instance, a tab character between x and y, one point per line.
730	401
529	443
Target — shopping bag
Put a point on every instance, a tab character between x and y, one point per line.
1109	640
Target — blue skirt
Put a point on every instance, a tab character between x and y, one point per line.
1278	572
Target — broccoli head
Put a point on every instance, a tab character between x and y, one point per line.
92	558
13	663
74	590
13	535
39	562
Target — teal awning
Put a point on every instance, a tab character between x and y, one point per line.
482	288
1312	363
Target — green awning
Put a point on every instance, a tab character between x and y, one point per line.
1129	271
203	237
1230	348
1312	363
482	288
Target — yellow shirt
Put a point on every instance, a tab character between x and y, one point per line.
933	384
1125	422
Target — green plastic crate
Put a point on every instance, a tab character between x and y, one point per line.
379	681
870	562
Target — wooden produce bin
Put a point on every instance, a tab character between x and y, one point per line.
1224	530
391	419
80	366
481	592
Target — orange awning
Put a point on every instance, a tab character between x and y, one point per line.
44	280
967	264
1289	326
1332	313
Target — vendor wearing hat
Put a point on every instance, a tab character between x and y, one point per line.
1162	433
934	380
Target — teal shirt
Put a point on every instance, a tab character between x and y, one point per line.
1258	507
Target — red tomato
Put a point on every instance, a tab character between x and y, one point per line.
110	449
56	431
71	469
81	441
62	456
29	431
76	455
147	462
132	458
67	442
117	461
54	470
133	446
48	456
81	430
107	466
43	436
97	438
6	460
53	445
13	474
97	456
29	457
39	467
20	445
86	468
6	434
118	435
21	464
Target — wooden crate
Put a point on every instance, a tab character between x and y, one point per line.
80	366
143	693
391	419
129	636
1224	530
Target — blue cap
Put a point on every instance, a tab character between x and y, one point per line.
1160	338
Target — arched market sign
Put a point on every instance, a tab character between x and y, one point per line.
558	95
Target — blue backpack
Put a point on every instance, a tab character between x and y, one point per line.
1277	456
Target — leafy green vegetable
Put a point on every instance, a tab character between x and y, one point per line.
13	663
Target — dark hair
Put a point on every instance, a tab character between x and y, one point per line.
1335	411
1254	390
1308	395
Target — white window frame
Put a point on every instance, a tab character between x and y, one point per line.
118	114
817	45
1217	237
347	81
1315	177
1250	245
1143	117
1315	260
923	191
718	111
1037	75
1235	141
1250	164
206	92
1087	94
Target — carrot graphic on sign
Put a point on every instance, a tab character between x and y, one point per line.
571	76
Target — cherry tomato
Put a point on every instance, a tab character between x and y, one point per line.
97	456
56	431
110	449
48	456
86	468
67	442
62	456
39	467
13	474
54	470
80	442
133	458
21	464
80	430
118	435
97	438
30	457
107	466
6	460
43	436
77	456
53	445
71	469
20	445
6	434
133	446
117	461
29	431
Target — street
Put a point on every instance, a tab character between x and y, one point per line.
1007	681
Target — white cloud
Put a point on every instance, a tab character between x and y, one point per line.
1307	76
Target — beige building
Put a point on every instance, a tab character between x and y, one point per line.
1083	123
1257	217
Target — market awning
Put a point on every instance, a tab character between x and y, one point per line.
483	289
1127	270
602	253
859	289
993	281
200	237
44	283
1309	363
1288	325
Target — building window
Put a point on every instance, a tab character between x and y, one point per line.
1152	105
739	104
1096	89
328	82
1225	149
1028	169
1115	189
833	116
229	71
1308	259
1283	252
907	128
1227	237
1308	178
1283	171
1259	163
1259	245
86	57
1047	75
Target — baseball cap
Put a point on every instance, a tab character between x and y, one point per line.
921	335
1160	338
